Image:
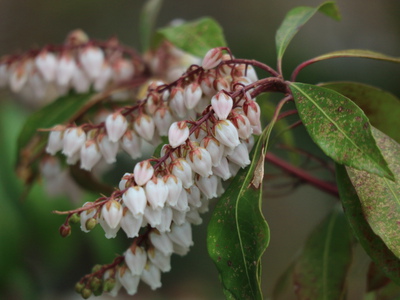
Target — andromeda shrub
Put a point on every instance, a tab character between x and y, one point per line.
199	106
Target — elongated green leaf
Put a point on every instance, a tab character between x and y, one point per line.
295	19
147	21
238	233
320	272
372	244
380	197
339	127
382	108
195	37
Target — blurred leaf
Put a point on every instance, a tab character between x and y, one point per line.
339	127
376	279
238	233
382	108
195	37
30	144
372	244
283	283
87	181
320	272
380	197
295	19
390	291
147	21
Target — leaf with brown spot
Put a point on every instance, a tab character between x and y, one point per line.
339	127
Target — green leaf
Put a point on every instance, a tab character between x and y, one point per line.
380	197
372	244
30	144
376	278
295	19
238	233
339	127
320	272
382	108
195	37
147	21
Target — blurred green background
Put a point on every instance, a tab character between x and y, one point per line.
36	263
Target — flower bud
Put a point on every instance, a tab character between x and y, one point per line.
225	132
55	141
135	199
174	186
131	143
208	186
163	120
182	169
177	103
65	70
152	276
108	148
200	161
222	105
131	224
46	63
192	95
74	139
156	192
178	133
92	59
143	172
181	235
86	215
116	126
90	155
240	156
112	213
161	261
144	126
65	230
135	259
212	58
215	148
162	242
128	280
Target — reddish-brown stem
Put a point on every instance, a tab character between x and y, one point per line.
252	62
300	67
287	113
103	269
322	185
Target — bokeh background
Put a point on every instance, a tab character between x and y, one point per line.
36	263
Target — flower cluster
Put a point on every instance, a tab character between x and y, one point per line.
209	117
79	64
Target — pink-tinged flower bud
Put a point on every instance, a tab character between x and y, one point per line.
182	169
174	186
47	65
240	156
193	195
242	124
177	103
128	280
143	172
135	259
225	132
86	215
221	84
156	192
80	81
179	217
166	219
112	213
208	186
162	242
123	70
144	126
182	204
151	276
181	235
192	95
198	135
193	217
222	170
252	111
178	133
207	83
116	126
214	147
153	217
104	78
135	199
163	120
92	59
74	139
65	70
212	58
18	77
90	155
222	105
108	149
161	261
131	143
110	233
131	224
55	141
200	161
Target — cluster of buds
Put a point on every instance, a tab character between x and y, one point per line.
158	202
79	64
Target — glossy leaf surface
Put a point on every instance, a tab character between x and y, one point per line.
195	37
339	127
320	272
372	244
295	19
238	233
382	108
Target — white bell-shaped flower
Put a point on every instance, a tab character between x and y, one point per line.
86	215
55	141
135	199
135	259
47	64
162	242
166	219
200	161
18	78
156	192
182	204
222	170
225	132
240	156
92	59
104	78
80	81
152	276
177	103
181	234
153	217
161	261
116	126
182	169
163	120
108	148
112	213
109	232
73	140
178	133
212	58
128	280
215	148
208	186
253	113
65	70
131	143
174	185
144	126
131	224
193	196
179	217
222	105
192	95
90	155
193	217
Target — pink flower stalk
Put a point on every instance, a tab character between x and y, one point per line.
222	105
178	133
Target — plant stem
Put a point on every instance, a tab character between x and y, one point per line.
320	184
